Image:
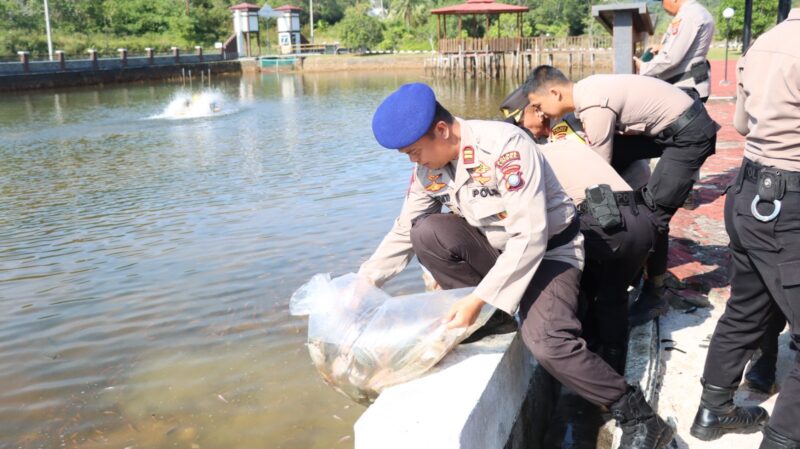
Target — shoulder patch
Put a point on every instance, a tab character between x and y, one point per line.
505	158
675	26
468	155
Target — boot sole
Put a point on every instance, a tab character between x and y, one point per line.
714	433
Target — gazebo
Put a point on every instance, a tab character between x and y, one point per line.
475	8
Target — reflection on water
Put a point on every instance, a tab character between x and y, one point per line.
146	265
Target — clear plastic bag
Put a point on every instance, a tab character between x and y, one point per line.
363	340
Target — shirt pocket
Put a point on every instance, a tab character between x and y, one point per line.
488	209
634	128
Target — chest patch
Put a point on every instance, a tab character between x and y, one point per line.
435	185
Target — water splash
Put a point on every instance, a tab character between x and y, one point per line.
186	105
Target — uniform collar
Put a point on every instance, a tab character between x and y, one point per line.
576	98
794	14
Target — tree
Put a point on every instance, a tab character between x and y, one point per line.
765	15
360	30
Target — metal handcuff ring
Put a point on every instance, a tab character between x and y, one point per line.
765	218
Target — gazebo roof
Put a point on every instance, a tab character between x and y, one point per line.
479	7
245	7
288	8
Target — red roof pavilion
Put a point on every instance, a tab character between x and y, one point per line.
479	7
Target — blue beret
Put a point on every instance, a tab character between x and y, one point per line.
404	116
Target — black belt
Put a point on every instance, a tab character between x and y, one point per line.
628	198
791	179
681	122
565	236
695	72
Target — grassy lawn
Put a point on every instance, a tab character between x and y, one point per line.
718	54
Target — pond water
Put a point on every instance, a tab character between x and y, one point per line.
152	235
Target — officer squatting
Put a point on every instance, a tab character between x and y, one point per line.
541	225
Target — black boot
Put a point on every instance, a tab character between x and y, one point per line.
761	376
641	427
717	415
499	323
774	440
651	304
615	356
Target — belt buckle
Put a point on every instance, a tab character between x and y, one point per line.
771	188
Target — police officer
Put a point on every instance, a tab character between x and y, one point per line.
630	117
619	232
680	59
517	110
614	253
513	234
762	217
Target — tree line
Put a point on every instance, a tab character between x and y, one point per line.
106	25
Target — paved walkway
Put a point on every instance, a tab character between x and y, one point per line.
698	255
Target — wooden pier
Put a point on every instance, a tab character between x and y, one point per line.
516	56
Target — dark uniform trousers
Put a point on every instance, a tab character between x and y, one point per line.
765	270
613	260
682	154
458	255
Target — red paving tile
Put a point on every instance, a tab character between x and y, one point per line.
698	251
718	74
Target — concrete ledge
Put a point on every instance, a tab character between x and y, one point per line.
105	76
486	395
643	368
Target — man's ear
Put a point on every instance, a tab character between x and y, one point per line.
443	129
556	92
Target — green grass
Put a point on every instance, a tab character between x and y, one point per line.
718	54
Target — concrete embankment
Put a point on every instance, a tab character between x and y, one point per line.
49	74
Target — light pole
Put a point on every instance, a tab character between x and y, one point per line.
47	25
727	14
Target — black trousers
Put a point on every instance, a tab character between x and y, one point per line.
765	270
681	155
458	255
613	260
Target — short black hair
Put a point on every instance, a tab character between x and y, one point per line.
441	115
542	77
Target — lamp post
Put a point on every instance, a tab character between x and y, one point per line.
727	14
47	25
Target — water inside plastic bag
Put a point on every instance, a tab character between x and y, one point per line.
362	340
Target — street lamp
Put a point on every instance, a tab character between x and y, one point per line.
47	25
727	14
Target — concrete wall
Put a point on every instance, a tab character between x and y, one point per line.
17	68
81	72
486	395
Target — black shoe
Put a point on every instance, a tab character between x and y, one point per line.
499	323
641	427
717	415
615	356
651	304
761	376
774	440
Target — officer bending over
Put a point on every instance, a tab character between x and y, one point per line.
513	234
631	117
618	229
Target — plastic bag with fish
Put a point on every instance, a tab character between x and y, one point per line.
362	340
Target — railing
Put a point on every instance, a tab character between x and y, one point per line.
524	44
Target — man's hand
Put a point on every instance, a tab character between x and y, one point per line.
655	48
464	312
637	64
